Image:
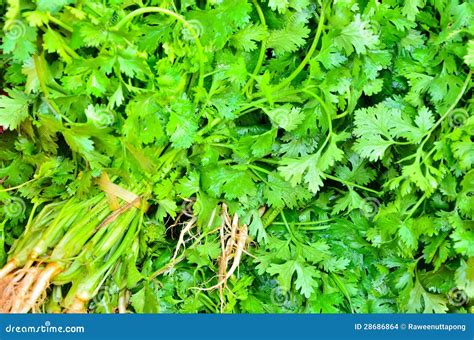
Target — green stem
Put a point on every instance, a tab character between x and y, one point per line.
179	18
348	109
59	23
420	155
415	207
34	230
30	218
72	52
450	109
222	145
343	289
269	161
88	284
259	176
251	166
328	116
401	143
350	184
253	105
70	212
342	115
288	228
74	239
308	56
428	154
19	186
261	55
312	228
42	72
308	222
270	215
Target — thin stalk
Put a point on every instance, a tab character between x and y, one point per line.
351	184
59	23
179	18
41	71
269	161
270	215
415	207
86	287
244	109
328	116
313	228
30	218
261	56
255	167
449	110
113	234
419	157
68	214
288	228
75	238
308	56
307	222
222	145
23	250
342	115
19	186
343	289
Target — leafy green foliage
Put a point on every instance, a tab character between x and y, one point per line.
339	132
13	109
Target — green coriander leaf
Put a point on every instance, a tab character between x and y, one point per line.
19	40
182	125
357	35
286	117
13	109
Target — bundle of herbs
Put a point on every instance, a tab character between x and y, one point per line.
236	156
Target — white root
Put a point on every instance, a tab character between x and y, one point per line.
181	241
234	248
7	269
41	284
123	302
77	307
223	262
25	286
242	239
